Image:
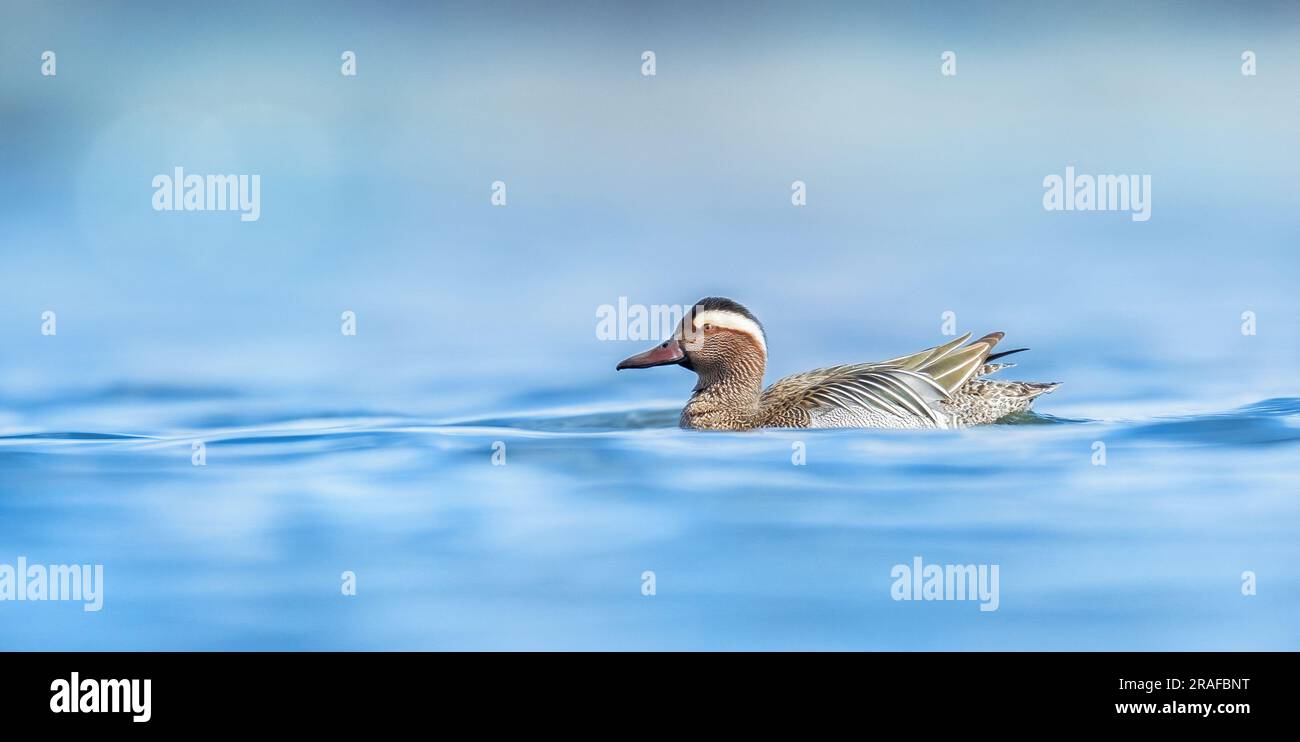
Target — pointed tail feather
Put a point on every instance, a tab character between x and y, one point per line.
1005	353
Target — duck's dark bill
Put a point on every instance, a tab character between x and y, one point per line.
669	351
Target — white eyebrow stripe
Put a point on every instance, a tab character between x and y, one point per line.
732	321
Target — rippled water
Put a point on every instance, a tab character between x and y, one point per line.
549	550
328	452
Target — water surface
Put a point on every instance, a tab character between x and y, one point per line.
1175	338
749	550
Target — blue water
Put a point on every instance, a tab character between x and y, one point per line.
548	550
372	454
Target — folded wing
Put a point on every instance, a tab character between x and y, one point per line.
907	388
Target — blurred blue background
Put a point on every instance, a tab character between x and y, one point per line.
477	323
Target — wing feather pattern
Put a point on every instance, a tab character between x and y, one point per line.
911	388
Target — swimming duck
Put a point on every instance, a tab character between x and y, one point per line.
940	387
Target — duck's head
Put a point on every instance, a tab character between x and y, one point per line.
717	334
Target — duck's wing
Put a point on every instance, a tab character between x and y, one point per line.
950	365
908	388
900	393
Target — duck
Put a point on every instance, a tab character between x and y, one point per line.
941	387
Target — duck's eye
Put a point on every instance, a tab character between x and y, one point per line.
708	326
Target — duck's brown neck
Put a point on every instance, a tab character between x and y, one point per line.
727	398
